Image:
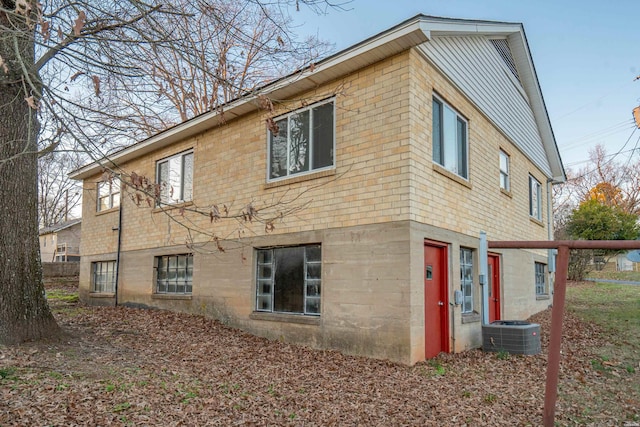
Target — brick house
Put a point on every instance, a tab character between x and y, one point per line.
399	151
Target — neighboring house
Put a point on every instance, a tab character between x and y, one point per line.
401	149
624	264
61	242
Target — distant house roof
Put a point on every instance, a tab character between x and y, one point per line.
410	33
60	226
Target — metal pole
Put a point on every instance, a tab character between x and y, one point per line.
117	281
557	314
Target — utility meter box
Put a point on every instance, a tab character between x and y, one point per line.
512	336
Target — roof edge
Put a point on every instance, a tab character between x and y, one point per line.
409	33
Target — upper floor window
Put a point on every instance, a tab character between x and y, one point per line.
535	198
541	282
108	194
466	279
450	145
504	171
289	280
175	176
304	141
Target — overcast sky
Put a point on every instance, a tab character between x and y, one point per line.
586	54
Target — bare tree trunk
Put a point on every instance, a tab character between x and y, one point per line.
24	312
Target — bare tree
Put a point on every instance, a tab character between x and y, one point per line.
58	195
252	47
611	180
57	61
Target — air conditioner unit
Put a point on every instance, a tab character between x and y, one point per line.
512	336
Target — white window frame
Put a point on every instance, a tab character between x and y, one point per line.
540	279
167	191
450	147
286	120
103	276
61	252
505	167
311	284
167	275
466	279
111	195
535	198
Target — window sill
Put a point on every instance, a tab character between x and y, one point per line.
108	211
288	318
506	192
171	296
300	178
165	208
536	221
470	317
542	297
102	295
457	178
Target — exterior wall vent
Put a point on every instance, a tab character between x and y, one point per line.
502	46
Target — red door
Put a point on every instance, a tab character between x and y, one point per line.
494	287
436	301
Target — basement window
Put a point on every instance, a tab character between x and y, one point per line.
174	274
103	276
288	280
541	282
466	279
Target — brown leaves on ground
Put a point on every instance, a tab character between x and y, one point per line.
124	366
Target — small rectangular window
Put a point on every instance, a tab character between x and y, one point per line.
175	177
466	279
103	276
504	171
304	141
174	274
535	198
289	280
541	282
450	140
108	194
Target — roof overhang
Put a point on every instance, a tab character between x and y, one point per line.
59	227
388	43
409	33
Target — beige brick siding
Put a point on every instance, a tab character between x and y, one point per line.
383	170
371	215
437	199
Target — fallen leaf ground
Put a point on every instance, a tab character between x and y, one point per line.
123	366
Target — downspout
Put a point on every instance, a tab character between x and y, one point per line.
118	250
453	325
484	267
551	253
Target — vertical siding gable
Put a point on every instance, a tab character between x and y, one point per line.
475	66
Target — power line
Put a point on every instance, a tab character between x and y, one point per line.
600	98
602	133
613	156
